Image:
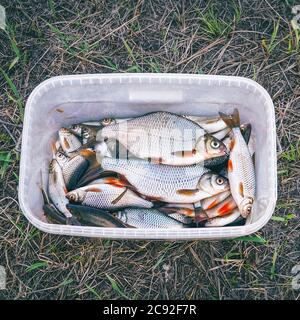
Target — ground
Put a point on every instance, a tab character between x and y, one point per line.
253	39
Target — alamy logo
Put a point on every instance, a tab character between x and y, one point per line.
2	278
296	19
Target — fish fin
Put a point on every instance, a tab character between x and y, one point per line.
156	160
126	183
66	143
115	182
212	204
187	192
225	209
150	198
53	214
73	221
241	189
169	210
93	174
232	120
231	144
119	197
229	165
156	203
93	189
246	130
200	215
53	148
184	153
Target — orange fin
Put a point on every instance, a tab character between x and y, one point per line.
233	120
185	154
213	204
241	189
66	143
187	192
225	209
93	189
156	160
232	143
115	182
229	165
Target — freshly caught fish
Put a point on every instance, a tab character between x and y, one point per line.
165	138
95	217
209	124
223	221
148	219
107	196
68	141
57	188
241	172
177	184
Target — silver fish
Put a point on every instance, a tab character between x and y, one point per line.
68	141
241	172
178	184
57	188
165	138
107	196
223	221
147	219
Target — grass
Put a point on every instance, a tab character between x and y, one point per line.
207	37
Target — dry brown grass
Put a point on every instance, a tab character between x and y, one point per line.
51	38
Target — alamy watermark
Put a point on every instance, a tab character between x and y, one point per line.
296	19
2	278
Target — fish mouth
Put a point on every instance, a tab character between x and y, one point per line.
247	206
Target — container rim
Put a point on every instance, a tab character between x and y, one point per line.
213	233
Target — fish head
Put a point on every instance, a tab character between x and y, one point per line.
76	195
77	129
246	207
211	147
213	183
61	158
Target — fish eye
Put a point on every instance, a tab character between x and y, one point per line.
220	181
106	121
248	209
215	144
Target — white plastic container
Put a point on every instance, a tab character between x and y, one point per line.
65	100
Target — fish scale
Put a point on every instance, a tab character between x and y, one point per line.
148	219
159	181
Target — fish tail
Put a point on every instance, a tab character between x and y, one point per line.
232	120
